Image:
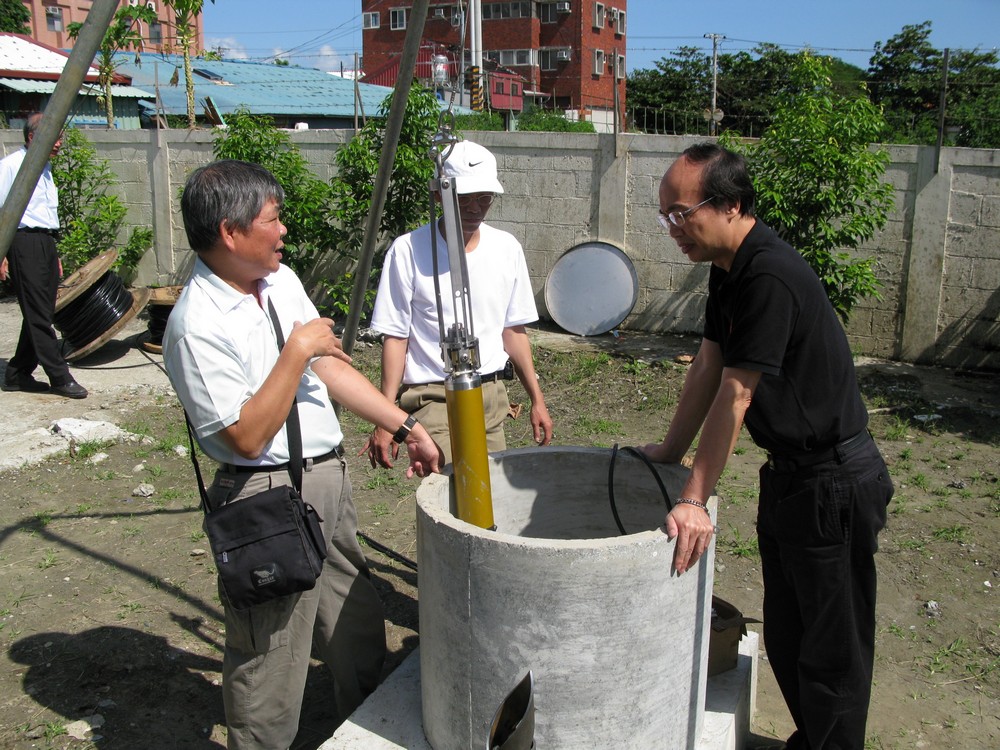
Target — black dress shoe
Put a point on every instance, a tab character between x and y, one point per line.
72	389
22	382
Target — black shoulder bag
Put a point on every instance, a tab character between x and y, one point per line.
269	544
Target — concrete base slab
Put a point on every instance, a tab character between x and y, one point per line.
390	718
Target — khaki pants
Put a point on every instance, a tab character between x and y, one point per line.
268	647
427	403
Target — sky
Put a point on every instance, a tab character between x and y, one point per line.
326	34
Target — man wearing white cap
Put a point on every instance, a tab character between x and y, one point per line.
502	303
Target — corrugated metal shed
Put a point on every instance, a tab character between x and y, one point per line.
28	86
283	92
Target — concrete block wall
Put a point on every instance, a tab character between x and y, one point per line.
938	256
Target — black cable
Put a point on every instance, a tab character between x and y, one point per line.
387	551
94	311
158	315
611	482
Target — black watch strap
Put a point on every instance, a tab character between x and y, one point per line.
400	435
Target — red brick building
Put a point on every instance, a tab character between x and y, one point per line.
50	20
569	53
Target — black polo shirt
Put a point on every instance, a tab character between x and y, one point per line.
770	313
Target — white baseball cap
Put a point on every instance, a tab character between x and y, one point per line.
473	168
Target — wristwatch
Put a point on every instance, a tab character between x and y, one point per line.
400	435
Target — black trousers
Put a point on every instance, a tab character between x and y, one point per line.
818	528
34	274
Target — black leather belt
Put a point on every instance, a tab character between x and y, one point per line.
839	453
39	230
337	452
493	377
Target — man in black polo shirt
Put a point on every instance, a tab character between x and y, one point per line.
774	355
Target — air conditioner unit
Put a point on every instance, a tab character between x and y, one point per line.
562	55
437	12
563	7
133	3
151	4
53	10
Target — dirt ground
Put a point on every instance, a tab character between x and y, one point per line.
110	634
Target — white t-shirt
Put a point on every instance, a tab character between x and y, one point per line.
406	305
219	347
42	210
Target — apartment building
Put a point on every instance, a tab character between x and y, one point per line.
569	53
50	20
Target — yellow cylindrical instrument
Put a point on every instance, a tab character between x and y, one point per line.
470	458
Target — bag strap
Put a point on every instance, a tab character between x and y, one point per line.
292	427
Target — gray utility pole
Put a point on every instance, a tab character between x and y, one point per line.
713	121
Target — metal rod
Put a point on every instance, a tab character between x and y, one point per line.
60	103
393	126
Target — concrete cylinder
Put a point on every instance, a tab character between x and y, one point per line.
617	643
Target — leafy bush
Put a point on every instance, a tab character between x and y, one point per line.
307	206
535	118
480	121
818	181
92	220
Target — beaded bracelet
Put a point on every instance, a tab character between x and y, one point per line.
688	501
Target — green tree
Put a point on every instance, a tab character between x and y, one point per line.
185	14
671	97
819	182
406	203
123	33
255	139
905	76
93	221
14	17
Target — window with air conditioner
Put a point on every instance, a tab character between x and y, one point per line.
151	4
620	23
620	71
598	62
397	19
598	15
133	3
456	17
370	20
54	18
438	13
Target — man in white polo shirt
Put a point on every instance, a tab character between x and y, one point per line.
237	387
502	303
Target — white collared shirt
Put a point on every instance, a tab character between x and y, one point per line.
406	305
218	349
43	207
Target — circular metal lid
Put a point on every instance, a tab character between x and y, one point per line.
591	288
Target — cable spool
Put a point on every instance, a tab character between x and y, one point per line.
161	304
93	304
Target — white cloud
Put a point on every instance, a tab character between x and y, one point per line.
328	59
230	47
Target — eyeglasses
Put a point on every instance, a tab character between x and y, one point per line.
484	200
677	218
